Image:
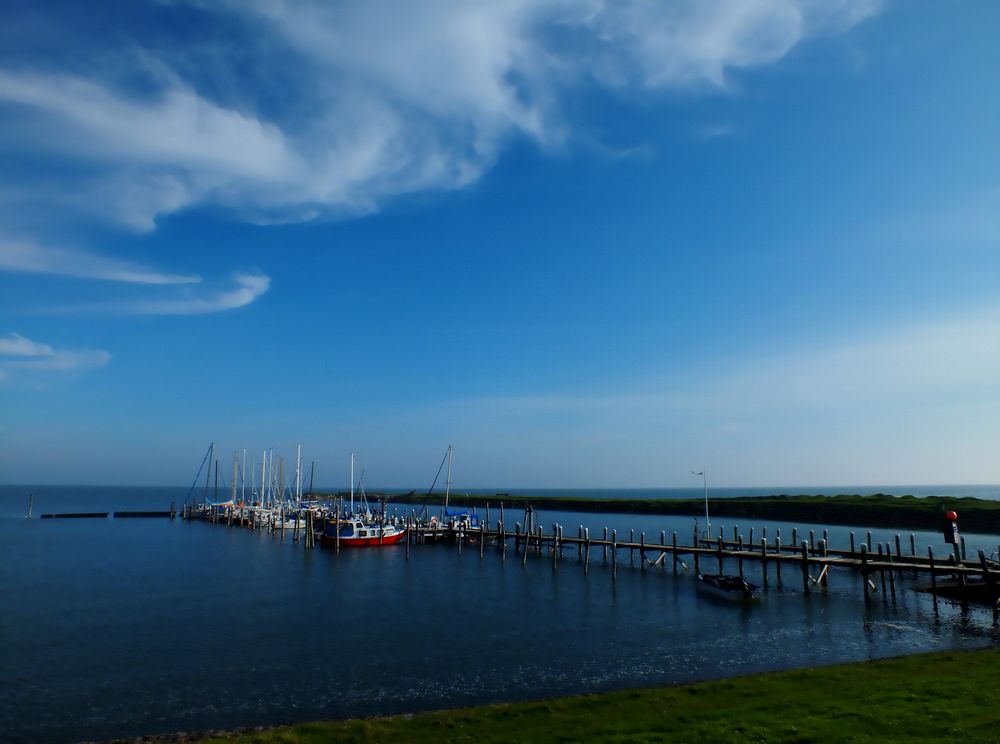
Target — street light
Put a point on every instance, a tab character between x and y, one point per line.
704	482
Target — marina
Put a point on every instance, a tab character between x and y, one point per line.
232	625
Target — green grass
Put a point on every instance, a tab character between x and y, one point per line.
941	697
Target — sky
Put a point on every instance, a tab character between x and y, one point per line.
585	243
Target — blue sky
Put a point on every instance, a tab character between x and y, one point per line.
587	244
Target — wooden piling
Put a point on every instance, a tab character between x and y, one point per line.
988	578
899	555
555	545
805	566
409	536
586	550
864	569
881	570
517	537
777	550
763	560
750	538
930	564
852	543
642	550
631	550
795	536
482	540
892	573
962	541
524	550
674	553
719	552
812	543
604	547
614	555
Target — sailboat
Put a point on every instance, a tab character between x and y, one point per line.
461	520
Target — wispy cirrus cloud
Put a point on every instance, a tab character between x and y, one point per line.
30	257
21	357
248	288
335	108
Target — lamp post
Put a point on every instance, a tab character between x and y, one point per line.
704	482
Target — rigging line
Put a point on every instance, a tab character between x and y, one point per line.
191	490
440	468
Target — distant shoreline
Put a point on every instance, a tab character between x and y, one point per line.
877	510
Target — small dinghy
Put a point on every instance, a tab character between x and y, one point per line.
730	587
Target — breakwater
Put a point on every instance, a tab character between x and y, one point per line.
877	510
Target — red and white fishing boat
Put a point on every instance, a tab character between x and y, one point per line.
359	533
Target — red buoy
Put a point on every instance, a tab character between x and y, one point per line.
951	516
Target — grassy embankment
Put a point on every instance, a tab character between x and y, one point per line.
939	697
877	510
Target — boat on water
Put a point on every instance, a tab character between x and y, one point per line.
360	533
730	587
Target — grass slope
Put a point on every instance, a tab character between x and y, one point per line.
937	697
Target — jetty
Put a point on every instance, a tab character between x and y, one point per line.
808	556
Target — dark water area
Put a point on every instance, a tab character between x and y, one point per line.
129	627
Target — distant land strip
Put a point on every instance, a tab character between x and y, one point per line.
876	510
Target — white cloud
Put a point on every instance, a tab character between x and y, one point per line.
18	345
28	257
19	354
374	99
248	288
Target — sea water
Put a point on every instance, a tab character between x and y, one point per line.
121	627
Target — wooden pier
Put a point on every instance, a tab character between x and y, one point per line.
878	565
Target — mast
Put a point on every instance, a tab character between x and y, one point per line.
236	464
263	468
215	497
447	485
243	478
298	472
281	479
270	475
352	484
312	473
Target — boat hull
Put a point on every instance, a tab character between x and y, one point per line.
363	542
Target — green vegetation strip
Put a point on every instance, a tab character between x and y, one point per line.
936	697
876	510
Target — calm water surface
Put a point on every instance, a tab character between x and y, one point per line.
128	627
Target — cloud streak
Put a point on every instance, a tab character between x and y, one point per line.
248	288
20	355
28	257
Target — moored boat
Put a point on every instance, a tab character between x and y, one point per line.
730	587
358	533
